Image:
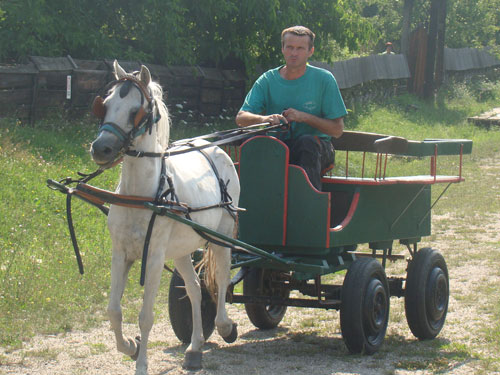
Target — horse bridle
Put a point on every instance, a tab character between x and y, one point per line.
144	119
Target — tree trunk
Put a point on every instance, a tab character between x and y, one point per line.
440	44
405	35
430	63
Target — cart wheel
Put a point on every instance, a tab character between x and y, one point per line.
426	294
258	282
179	310
364	312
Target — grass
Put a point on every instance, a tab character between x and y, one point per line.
41	290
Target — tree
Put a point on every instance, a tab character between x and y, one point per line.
225	33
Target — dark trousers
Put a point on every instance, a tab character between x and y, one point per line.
312	153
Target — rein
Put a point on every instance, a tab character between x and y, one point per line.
225	137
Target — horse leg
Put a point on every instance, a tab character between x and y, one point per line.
226	327
154	269
119	272
193	356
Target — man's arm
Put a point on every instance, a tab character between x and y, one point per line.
245	118
331	127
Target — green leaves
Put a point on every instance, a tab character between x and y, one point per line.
231	34
224	33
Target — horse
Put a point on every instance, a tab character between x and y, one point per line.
134	117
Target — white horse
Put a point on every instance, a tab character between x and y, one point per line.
135	117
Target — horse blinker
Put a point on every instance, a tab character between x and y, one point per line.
139	116
98	108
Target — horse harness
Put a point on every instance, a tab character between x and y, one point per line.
167	199
144	120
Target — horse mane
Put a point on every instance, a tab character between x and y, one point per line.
163	125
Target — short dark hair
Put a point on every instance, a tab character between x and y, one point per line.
299	31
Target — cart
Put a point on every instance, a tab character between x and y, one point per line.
291	236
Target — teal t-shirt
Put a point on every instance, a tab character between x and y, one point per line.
316	92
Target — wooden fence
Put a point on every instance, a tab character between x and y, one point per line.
50	84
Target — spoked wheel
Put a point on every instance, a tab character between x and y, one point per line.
426	294
364	312
261	282
179	310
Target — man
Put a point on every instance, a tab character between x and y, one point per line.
388	49
303	96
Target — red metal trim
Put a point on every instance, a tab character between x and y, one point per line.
426	180
357	181
328	220
350	213
385	165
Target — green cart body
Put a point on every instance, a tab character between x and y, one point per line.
286	215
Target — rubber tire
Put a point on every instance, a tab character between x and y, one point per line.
426	294
256	283
364	310
179	310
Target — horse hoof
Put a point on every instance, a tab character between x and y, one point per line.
233	335
192	361
136	354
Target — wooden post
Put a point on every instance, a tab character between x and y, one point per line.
35	93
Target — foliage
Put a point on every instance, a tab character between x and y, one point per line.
213	33
469	23
224	33
473	23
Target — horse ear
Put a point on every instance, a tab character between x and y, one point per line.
145	75
119	71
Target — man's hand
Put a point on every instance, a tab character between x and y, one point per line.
293	115
244	118
333	128
275	119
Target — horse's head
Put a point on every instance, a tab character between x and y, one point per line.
128	112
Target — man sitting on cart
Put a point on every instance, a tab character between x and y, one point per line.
303	96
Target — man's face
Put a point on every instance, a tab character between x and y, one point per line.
296	50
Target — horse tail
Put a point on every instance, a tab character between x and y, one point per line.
207	268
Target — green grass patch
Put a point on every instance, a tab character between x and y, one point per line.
97	348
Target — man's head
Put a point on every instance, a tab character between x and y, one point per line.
297	46
300	31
